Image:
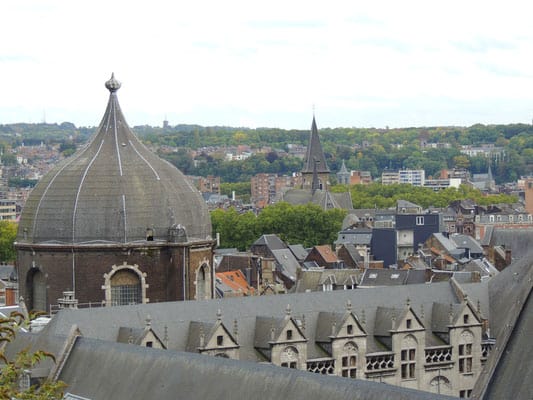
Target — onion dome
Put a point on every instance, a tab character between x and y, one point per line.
113	190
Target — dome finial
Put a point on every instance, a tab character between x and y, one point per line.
112	84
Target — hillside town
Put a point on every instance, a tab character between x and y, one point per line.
115	247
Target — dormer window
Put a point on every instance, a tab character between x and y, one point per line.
289	334
349	329
220	340
149	344
408	323
465	319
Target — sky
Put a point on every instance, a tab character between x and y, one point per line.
378	63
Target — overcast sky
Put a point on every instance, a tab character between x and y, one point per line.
269	63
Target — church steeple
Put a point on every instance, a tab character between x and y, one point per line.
314	153
315	172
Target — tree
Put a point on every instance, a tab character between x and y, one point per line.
8	234
13	372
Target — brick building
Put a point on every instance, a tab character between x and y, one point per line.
116	225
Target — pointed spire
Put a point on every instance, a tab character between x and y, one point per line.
314	152
288	311
422	311
303	323
219	315
363	317
165	337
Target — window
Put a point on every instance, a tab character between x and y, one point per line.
349	366
465	352
349	329
149	344
465	358
349	360
289	334
220	340
465	319
464	394
125	288
408	323
420	220
291	364
408	357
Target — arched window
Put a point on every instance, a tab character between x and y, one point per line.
202	282
349	360
125	288
289	357
125	284
408	357
37	290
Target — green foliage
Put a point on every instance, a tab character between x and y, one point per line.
361	148
13	370
8	234
377	195
242	190
306	224
21	183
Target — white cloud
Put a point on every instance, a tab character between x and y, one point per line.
210	62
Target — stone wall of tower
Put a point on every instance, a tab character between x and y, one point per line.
307	180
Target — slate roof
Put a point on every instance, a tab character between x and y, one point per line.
520	241
273	242
299	251
112	190
103	323
465	241
287	263
315	153
508	373
325	199
392	277
122	373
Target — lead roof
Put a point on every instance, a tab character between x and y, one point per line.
112	190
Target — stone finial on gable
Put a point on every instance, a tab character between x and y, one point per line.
363	317
202	336
303	323
450	314
288	310
219	315
148	321
348	305
235	329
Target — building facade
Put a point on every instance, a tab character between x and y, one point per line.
114	224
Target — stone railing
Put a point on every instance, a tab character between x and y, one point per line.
324	366
379	361
486	348
438	355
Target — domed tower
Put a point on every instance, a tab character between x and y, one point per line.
114	224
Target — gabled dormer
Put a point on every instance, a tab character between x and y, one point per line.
213	339
390	321
141	336
332	326
282	341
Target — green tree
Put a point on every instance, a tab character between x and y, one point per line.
13	370
8	233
